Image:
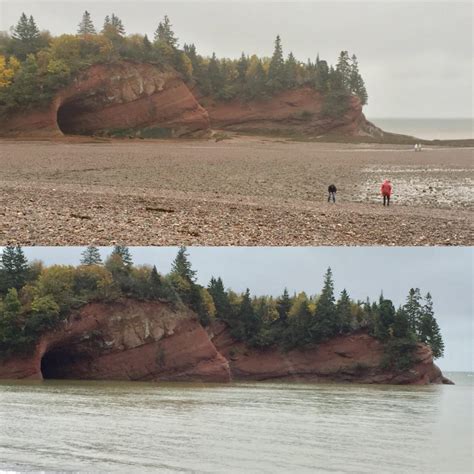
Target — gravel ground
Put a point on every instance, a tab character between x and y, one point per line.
243	191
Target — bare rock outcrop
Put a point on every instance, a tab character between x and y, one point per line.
127	340
107	98
292	111
151	341
352	358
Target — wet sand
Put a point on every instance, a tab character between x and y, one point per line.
243	191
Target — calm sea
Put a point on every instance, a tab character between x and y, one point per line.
429	129
244	427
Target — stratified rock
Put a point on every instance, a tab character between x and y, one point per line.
352	358
128	340
292	111
137	340
119	98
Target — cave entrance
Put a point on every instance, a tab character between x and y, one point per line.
62	363
72	117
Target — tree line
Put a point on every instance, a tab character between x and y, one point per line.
35	298
34	65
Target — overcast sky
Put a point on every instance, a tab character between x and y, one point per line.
416	57
447	273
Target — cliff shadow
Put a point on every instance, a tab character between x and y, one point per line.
73	116
64	363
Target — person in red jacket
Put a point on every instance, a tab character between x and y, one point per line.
386	190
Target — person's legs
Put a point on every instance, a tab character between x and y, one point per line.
388	200
329	197
384	199
334	198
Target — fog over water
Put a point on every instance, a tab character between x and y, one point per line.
446	272
416	57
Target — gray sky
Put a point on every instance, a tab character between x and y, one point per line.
447	273
416	57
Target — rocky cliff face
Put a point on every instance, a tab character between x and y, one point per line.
106	98
139	99
133	340
292	111
128	340
353	358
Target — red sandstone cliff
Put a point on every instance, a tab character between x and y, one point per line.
352	358
134	340
124	95
296	110
128	340
140	99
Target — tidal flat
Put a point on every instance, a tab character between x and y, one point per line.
239	191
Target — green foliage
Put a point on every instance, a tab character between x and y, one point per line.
428	329
47	64
181	266
91	256
336	103
44	297
86	27
13	269
399	354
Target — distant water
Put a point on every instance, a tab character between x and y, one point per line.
429	129
245	427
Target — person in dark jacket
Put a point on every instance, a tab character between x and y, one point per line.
332	193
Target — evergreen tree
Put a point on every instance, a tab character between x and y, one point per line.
196	303
429	331
117	24
401	325
113	27
181	266
356	83
220	298
242	66
256	81
344	313
301	330
385	318
291	72
343	68
412	308
91	256
247	318
26	37
283	306
325	320
214	72
124	253
276	71
155	281
146	43
14	268
86	27
321	76
165	34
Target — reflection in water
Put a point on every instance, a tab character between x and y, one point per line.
264	427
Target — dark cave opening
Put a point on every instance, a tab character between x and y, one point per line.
61	363
70	117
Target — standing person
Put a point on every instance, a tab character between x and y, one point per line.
386	190
332	193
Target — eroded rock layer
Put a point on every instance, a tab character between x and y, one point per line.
136	340
136	99
120	98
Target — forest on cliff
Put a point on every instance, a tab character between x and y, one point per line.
34	65
35	299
